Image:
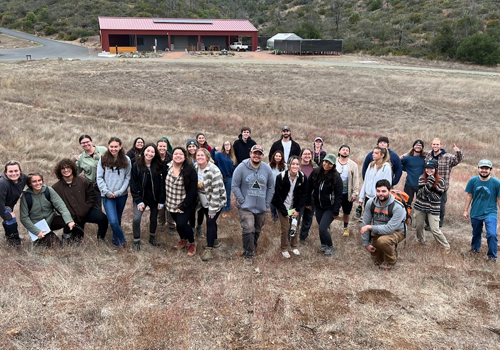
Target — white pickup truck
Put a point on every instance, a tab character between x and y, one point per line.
238	46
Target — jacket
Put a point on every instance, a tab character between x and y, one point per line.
10	193
372	176
242	148
278	146
213	186
353	179
147	187
324	196
225	164
282	188
78	196
88	164
191	188
429	198
253	187
397	169
42	209
446	161
113	180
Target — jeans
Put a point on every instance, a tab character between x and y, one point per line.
490	223
251	225
227	184
114	210
444	199
183	227
211	227
306	217
324	219
153	220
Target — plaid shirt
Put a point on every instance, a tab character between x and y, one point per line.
175	191
446	161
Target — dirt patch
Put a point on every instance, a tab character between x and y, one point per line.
8	42
376	296
479	304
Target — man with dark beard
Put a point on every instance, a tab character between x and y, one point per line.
348	171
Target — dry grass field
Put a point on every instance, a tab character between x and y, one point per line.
91	297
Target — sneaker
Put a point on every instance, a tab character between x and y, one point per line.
199	231
153	241
286	255
191	249
183	243
447	251
216	243
329	251
493	260
248	254
137	246
207	254
295	252
345	233
322	249
359	210
386	267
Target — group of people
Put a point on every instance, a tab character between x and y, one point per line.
183	187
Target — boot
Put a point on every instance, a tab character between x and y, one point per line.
137	245
12	234
153	241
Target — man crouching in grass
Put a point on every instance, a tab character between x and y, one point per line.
383	226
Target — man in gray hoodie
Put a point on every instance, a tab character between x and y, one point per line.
253	187
383	226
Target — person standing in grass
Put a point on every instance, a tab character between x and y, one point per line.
289	194
277	165
348	171
147	186
78	195
325	189
395	162
212	196
165	151
12	183
383	226
286	145
136	149
87	162
253	187
181	191
319	152
428	202
113	177
226	162
379	168
446	161
483	198
306	214
196	220
202	142
243	144
413	163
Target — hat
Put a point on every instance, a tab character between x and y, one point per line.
430	165
257	148
345	146
318	138
286	127
417	142
192	142
485	162
383	139
330	158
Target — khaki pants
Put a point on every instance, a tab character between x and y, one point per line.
285	227
385	247
433	224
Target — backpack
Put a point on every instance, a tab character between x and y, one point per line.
401	198
29	199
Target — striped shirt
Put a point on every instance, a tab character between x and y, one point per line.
428	198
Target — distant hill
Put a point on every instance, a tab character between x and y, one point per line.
420	28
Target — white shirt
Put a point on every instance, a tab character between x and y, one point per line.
287	146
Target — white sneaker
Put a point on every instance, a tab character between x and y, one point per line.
296	252
286	255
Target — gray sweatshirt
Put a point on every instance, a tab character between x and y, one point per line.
381	223
113	180
253	187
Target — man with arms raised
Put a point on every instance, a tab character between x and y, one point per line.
253	187
288	146
483	192
445	161
12	183
383	226
243	145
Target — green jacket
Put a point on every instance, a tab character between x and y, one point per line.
42	209
88	164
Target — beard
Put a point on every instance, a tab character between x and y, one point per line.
483	176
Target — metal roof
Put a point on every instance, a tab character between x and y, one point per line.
173	24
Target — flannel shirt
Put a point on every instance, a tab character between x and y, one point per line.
446	161
213	185
175	191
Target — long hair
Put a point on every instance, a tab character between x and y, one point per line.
412	152
64	163
206	153
186	167
135	149
231	152
311	162
319	175
155	162
205	144
107	159
436	176
281	164
30	179
385	157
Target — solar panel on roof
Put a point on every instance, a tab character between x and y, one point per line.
188	21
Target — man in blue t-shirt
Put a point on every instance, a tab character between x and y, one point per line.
484	193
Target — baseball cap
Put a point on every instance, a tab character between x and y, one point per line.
485	162
431	165
257	148
286	127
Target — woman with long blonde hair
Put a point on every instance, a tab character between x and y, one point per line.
380	168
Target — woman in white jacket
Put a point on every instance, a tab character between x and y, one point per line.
380	168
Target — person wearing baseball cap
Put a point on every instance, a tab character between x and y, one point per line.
286	145
428	203
483	198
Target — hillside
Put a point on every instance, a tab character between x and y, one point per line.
420	28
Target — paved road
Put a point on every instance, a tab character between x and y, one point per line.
49	49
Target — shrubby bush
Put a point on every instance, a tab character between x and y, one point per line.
479	48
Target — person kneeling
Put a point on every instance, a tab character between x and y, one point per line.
383	226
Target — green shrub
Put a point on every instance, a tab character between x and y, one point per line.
354	18
479	48
375	5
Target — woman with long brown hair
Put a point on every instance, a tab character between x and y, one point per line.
226	161
277	165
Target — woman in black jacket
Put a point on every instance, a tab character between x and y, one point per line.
147	186
289	182
325	188
136	150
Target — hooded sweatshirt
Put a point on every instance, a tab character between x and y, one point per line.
242	148
113	180
10	193
253	187
381	223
